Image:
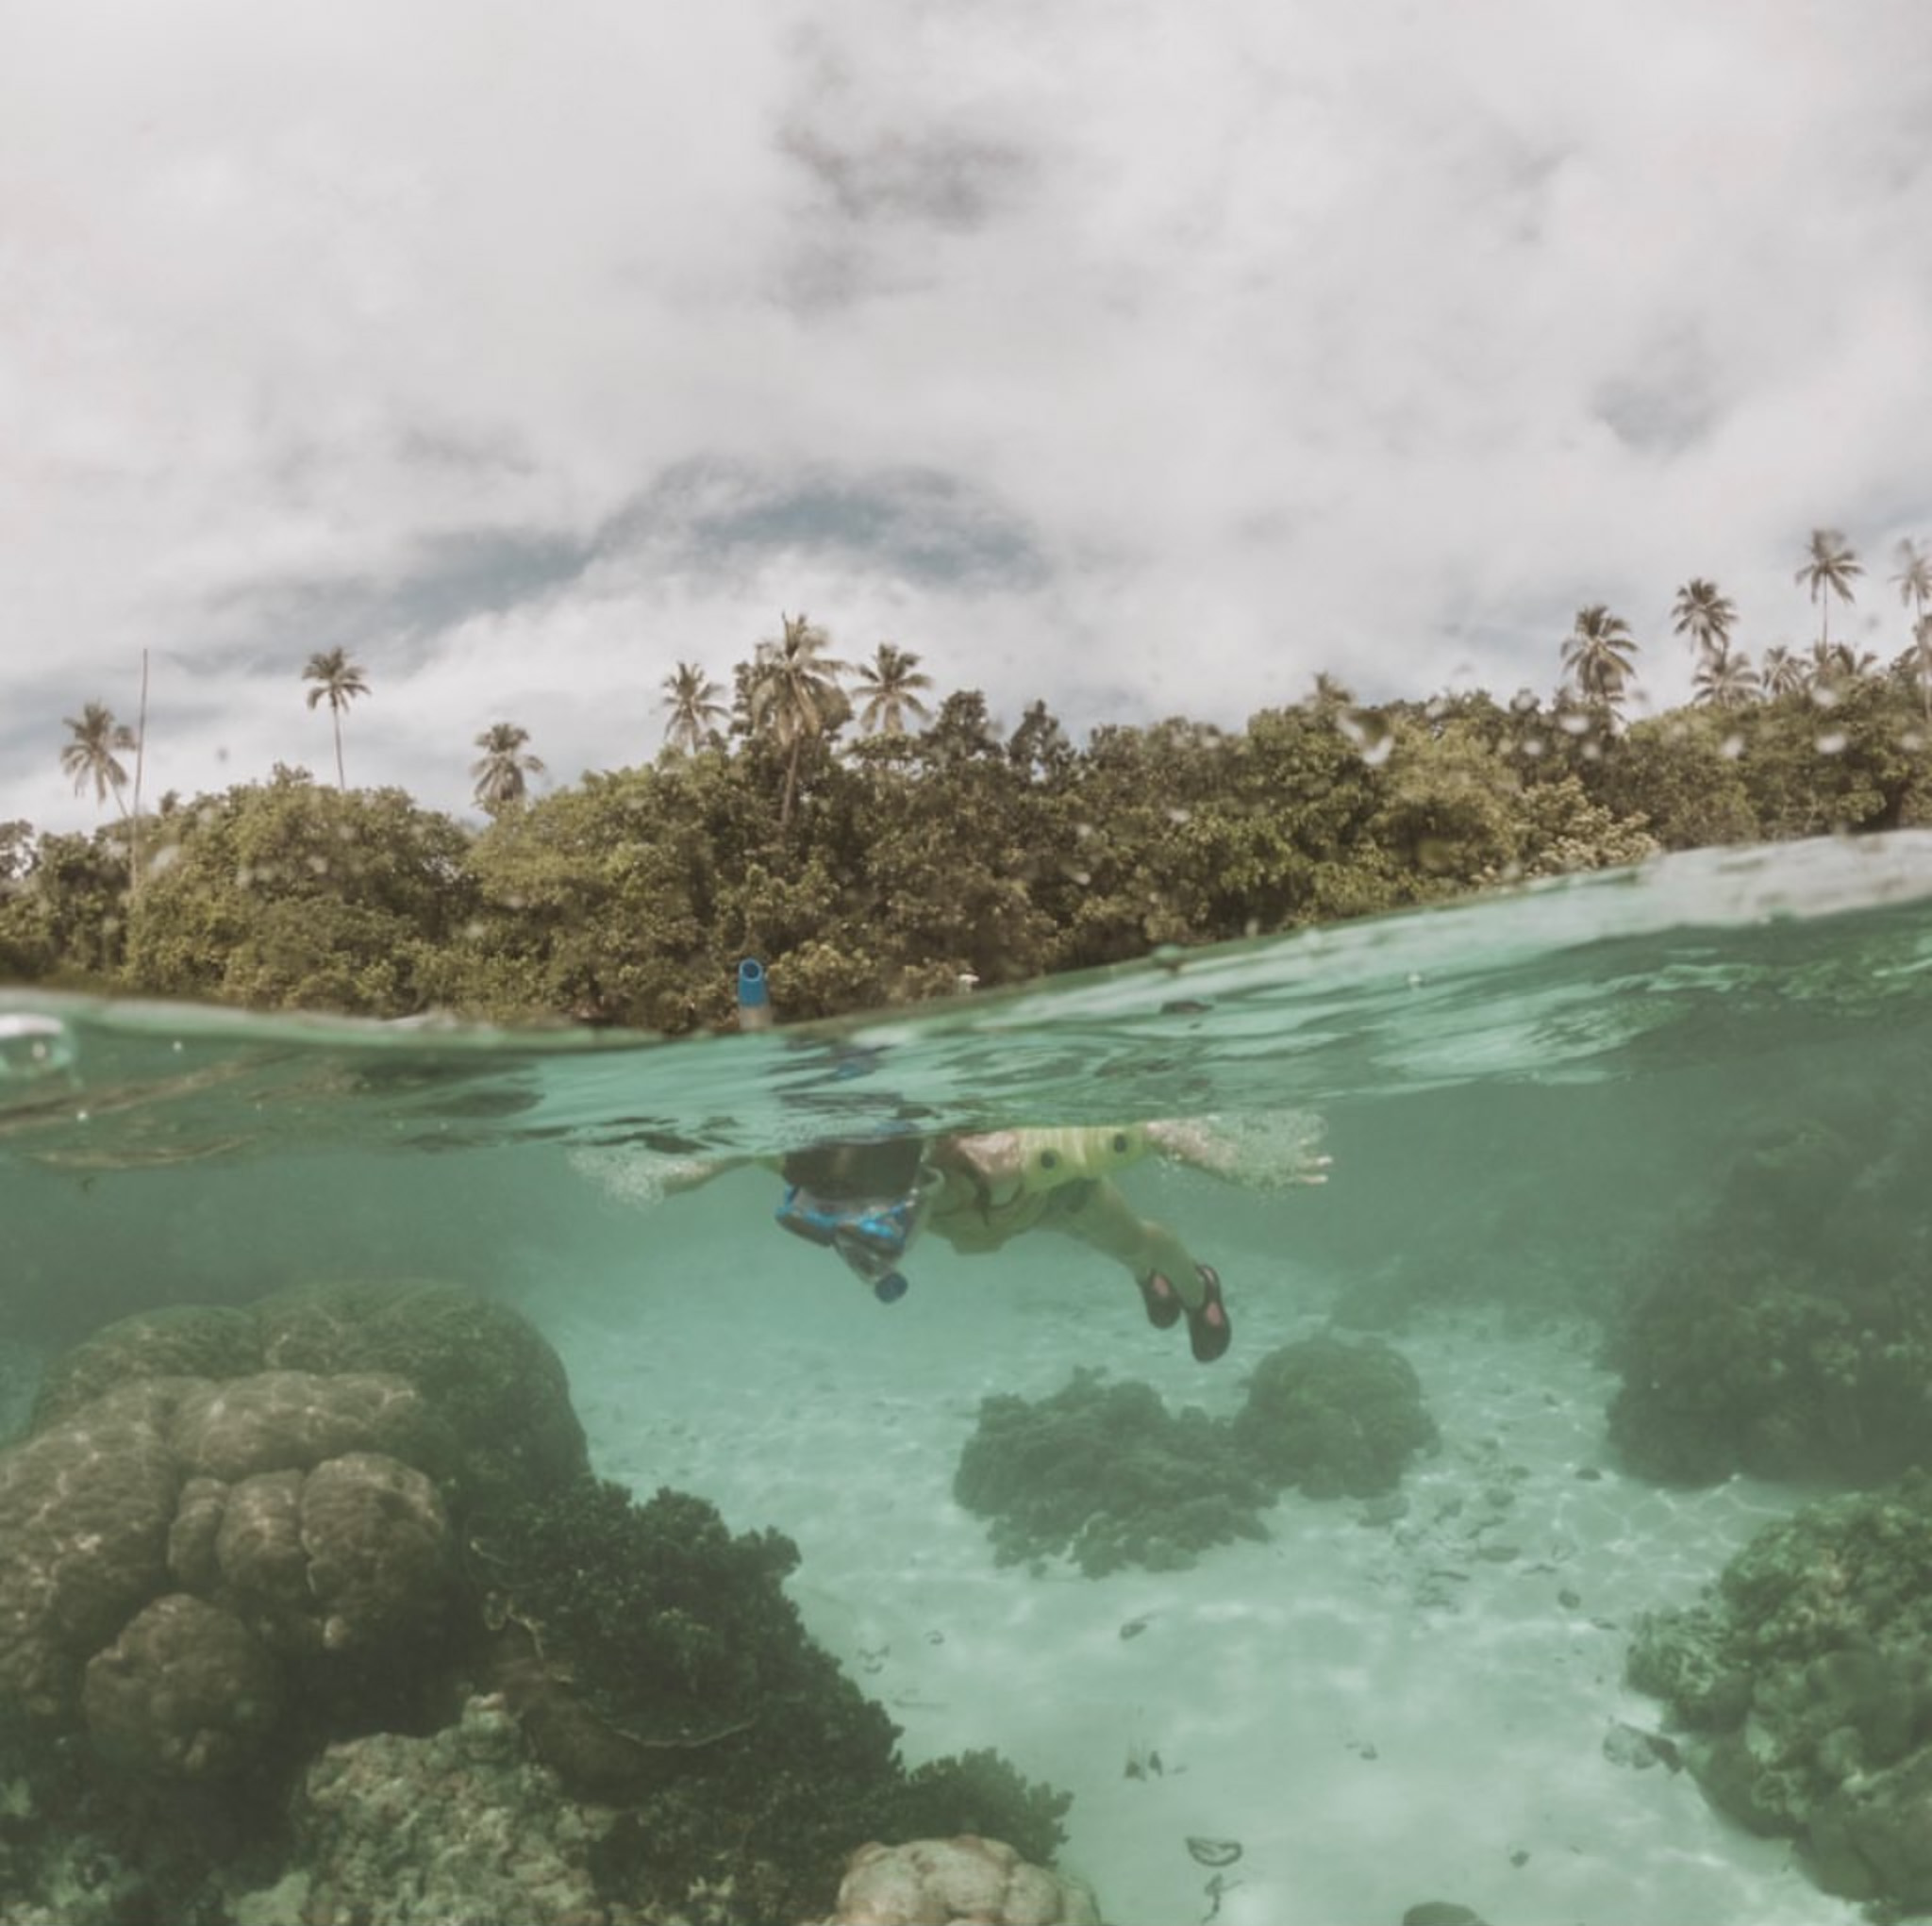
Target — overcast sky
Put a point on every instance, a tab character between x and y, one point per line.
1145	358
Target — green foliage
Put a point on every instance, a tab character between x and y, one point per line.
607	902
1851	764
284	893
1681	773
63	912
871	869
1450	812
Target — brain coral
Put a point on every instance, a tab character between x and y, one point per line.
282	1421
965	1878
185	1340
191	1550
85	1511
186	1690
483	1372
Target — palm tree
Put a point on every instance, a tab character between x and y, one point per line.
1599	655
1914	581
1725	679
794	694
502	770
1781	673
338	679
890	684
1331	695
690	699
1922	663
93	756
1705	616
1829	572
1833	663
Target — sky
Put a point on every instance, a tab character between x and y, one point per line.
1145	358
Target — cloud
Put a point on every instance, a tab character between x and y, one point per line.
1147	359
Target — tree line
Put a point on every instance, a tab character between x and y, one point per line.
875	843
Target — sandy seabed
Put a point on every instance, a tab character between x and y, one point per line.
1377	1709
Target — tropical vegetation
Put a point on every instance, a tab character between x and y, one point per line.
505	767
335	677
876	840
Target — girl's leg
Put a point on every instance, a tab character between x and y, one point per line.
1172	1283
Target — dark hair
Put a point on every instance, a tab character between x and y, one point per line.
878	1167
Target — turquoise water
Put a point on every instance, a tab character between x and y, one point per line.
1529	1103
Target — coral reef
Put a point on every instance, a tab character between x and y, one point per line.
656	1664
1107	1474
960	1879
486	1371
494	1386
258	1560
20	1375
84	1510
458	1829
186	1690
231	1533
1790	1335
1337	1419
172	1594
182	1341
1805	1688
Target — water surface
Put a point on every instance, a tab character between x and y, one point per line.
1527	1099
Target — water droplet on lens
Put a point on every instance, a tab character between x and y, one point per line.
32	1047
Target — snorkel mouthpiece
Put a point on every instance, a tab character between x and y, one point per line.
870	1233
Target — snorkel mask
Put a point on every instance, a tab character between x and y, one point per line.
870	1233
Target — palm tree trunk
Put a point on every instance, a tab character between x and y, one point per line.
341	780
139	758
790	786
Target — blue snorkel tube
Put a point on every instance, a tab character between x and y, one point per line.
754	999
870	1235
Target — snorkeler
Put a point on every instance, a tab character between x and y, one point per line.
868	1201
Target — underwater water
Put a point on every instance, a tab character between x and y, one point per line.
1538	1107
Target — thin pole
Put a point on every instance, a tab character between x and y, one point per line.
139	757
